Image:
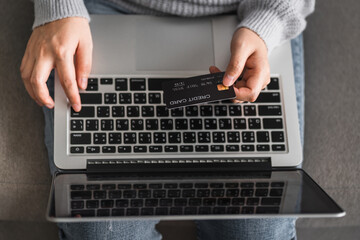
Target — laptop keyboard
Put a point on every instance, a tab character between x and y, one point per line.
185	198
128	115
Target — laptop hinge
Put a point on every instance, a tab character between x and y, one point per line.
179	165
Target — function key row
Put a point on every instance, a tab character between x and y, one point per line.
189	111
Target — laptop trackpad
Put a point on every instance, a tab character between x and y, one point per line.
174	44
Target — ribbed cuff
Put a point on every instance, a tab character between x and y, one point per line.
51	10
267	22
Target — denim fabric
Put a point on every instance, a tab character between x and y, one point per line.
271	228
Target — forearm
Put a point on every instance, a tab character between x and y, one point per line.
275	21
51	10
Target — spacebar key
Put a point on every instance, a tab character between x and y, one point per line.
90	98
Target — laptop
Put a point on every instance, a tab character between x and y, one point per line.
126	156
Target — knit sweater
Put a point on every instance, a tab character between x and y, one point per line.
275	21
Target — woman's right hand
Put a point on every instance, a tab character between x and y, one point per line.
66	45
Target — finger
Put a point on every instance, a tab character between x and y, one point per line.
214	69
252	88
235	66
83	61
39	76
26	71
66	71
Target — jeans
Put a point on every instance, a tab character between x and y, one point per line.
262	229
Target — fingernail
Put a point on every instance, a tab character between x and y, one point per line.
49	106
76	107
228	80
83	82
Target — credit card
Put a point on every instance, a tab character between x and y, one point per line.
195	90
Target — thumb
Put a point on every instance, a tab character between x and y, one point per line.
235	66
83	62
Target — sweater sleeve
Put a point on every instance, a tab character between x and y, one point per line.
275	21
51	10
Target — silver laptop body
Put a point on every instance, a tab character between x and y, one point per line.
115	164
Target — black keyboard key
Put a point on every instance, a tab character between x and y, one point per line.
159	137
106	81
232	148
147	111
240	123
129	138
137	84
272	123
166	124
166	202
252	201
217	192
80	138
186	148
140	186
277	184
174	137
274	84
136	202
204	210
144	137
232	185
261	192
266	210
132	212
103	111
278	147
155	148
92	125
133	111
92	204
209	201
247	185
122	203
173	193
114	138
144	193
155	185
170	185
171	148
189	137
76	125
147	211
196	123
154	98
177	112
124	149
247	192
223	201
83	213
238	201
121	84
201	148
276	192
77	150
80	194
107	203
122	124
103	212
194	202
125	98
139	98
140	149
108	149
118	111
218	137
152	124
233	210
262	136
92	84
232	192
162	111
268	97
91	98
84	113
248	136
225	123
206	111
118	212
129	194
124	186
271	201
254	123
216	185
92	149
270	110
188	193
191	111
137	124
262	184
176	211
247	148
186	185
217	148
277	136
99	194
99	138
247	210
190	211
203	193
114	194
155	84
235	110
262	147
161	211
180	202
210	123
107	125
220	110
233	137
250	110
110	98
181	124
152	202
219	210
204	137
77	187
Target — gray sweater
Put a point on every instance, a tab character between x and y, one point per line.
274	21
